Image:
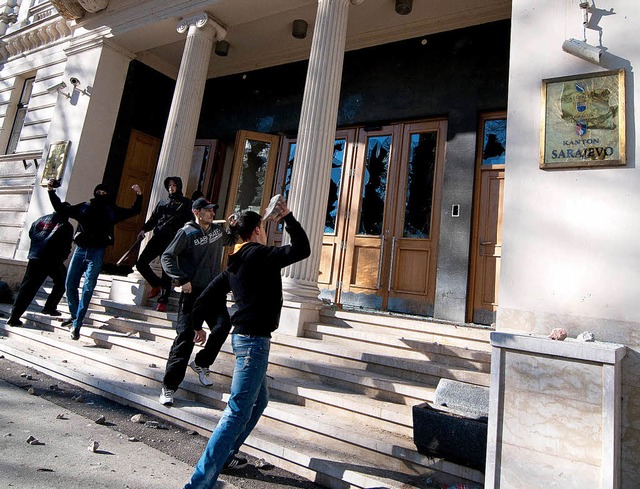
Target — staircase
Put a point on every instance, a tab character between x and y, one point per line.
341	396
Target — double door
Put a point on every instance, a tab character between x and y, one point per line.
379	248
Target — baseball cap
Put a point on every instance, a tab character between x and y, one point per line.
203	203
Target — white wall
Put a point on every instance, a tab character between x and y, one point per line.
571	243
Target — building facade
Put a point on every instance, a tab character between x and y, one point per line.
405	135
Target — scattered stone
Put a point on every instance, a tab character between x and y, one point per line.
79	398
155	425
53	387
61	416
264	465
138	418
586	336
32	440
1	356
31	391
42	469
153	365
29	377
7	434
101	420
192	432
558	334
94	446
133	439
64	361
23	374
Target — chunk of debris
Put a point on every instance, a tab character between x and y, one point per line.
78	399
43	469
23	374
53	387
155	425
558	334
94	446
31	391
153	365
61	416
32	440
264	465
138	418
586	336
101	420
133	439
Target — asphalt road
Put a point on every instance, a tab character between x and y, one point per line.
130	455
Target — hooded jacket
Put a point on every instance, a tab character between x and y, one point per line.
96	218
253	275
51	238
171	213
194	255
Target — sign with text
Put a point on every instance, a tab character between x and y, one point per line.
583	121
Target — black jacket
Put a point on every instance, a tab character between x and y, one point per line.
253	275
171	213
95	219
51	238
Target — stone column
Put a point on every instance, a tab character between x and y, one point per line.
180	135
314	153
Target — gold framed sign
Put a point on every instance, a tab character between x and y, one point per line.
54	164
583	121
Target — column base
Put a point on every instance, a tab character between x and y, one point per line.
128	290
295	314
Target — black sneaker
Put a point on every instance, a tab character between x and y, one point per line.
67	322
14	322
75	334
234	463
51	312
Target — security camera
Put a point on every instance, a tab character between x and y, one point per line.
56	87
582	50
74	81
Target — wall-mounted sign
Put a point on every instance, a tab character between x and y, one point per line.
54	164
583	121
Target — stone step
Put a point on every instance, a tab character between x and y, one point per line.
443	329
99	368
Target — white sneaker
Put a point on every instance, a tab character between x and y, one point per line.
166	397
203	374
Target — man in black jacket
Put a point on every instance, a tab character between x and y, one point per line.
169	215
51	237
253	275
96	221
193	259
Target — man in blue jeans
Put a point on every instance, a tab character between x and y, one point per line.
96	220
253	275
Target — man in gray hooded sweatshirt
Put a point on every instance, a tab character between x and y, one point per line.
167	218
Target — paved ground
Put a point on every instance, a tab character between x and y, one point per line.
130	455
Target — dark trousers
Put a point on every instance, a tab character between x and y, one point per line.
183	344
155	247
34	277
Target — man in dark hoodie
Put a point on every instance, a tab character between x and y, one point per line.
193	259
96	220
51	237
253	275
166	219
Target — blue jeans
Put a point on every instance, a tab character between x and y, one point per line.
249	398
89	262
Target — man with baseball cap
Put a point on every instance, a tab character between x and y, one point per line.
193	259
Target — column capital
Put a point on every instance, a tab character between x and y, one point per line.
200	21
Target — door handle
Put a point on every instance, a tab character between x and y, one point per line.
483	243
380	261
393	256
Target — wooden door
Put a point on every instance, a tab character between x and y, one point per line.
368	239
139	168
254	165
413	254
486	244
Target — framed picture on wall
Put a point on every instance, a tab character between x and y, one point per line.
54	164
583	121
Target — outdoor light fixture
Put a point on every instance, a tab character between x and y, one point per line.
581	48
403	7
299	30
222	48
